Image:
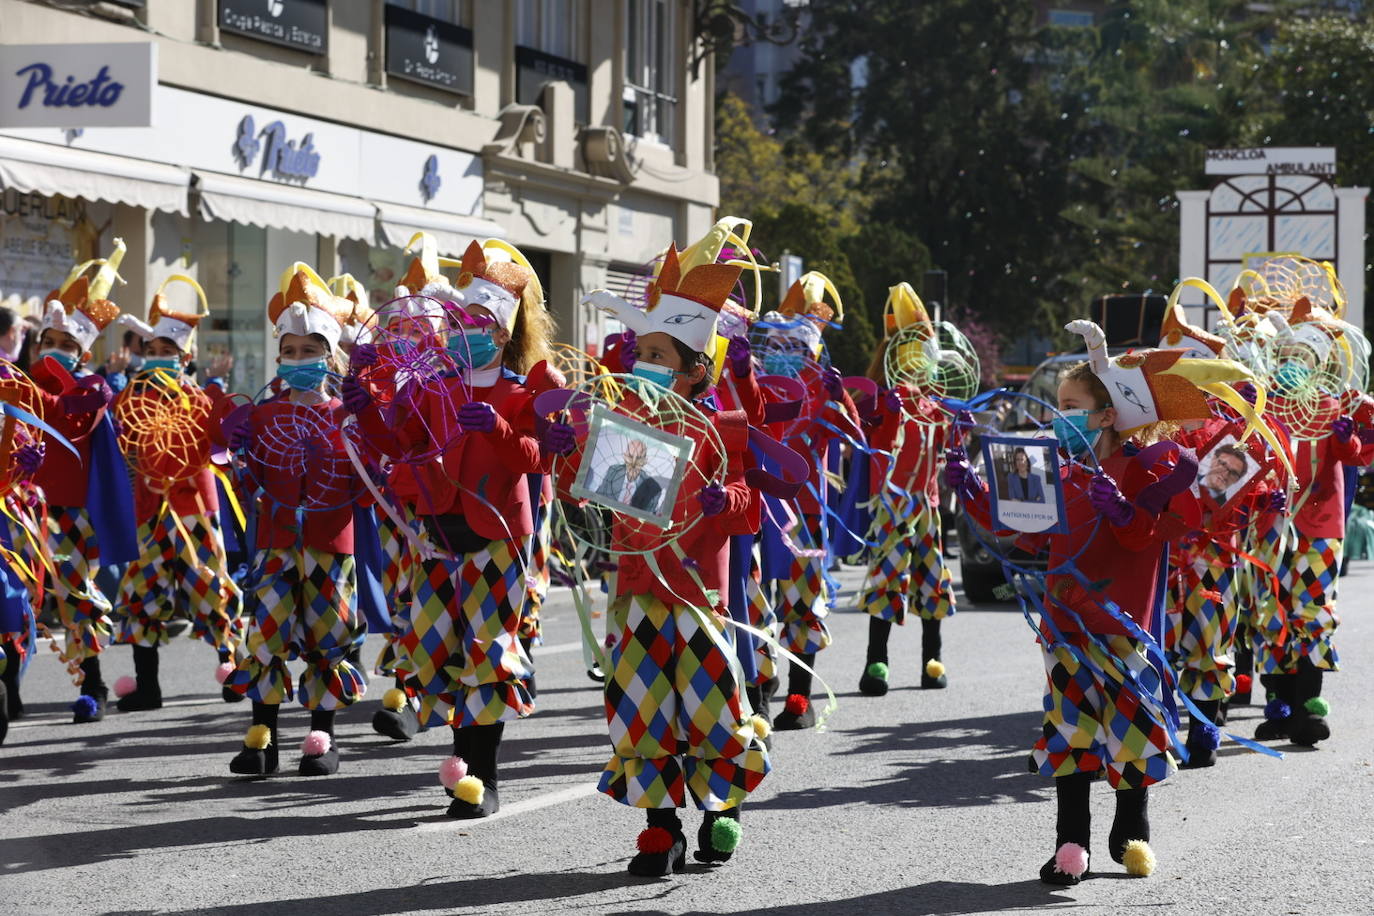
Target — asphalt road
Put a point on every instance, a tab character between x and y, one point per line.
915	803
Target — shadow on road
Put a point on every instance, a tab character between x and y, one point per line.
936	898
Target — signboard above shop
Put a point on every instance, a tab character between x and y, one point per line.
78	85
299	24
1273	160
428	50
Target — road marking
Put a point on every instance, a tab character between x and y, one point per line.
547	800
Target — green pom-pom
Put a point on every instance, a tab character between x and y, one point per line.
878	670
1318	706
726	834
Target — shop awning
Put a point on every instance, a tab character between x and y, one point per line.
29	166
280	206
399	223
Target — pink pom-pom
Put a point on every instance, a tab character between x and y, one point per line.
610	640
1071	859
316	744
452	770
223	671
125	686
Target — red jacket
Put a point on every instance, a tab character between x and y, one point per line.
63	476
917	460
1320	502
187	496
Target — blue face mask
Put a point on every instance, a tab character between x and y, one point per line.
1291	377
65	359
1073	433
783	362
304	374
168	363
472	349
661	376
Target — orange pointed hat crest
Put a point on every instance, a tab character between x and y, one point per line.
686	306
1177	333
305	305
80	307
178	327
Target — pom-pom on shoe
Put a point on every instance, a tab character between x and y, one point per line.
1067	867
123	686
88	708
451	771
473	798
319	755
661	852
259	754
797	713
1245	685
718	837
933	676
134	698
1139	859
1202	744
396	719
1308	725
873	682
1277	714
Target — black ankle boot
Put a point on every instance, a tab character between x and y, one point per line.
1278	711
13	666
479	746
662	846
1072	831
1129	840
319	753
932	669
259	754
397	719
873	682
90	705
718	837
1203	737
148	693
1310	709
797	712
1244	669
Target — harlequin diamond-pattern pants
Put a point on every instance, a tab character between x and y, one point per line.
303	608
398	566
1094	722
148	593
82	606
537	576
762	617
909	548
802	599
674	712
1205	627
461	652
1307	582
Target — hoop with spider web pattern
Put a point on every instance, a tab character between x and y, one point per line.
1310	380
942	367
161	422
296	454
781	348
1278	281
19	391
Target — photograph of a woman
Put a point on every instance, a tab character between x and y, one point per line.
1023	484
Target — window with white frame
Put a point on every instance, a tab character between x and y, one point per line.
651	82
551	26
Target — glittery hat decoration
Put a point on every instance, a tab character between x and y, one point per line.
80	306
178	327
305	305
498	277
685	306
1177	334
346	286
804	313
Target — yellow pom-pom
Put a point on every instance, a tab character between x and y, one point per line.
258	737
935	668
761	727
394	699
1139	859
470	790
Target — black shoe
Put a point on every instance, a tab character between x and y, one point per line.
467	811
1050	873
656	862
254	762
10	678
88	708
1131	823
323	764
797	714
937	681
718	837
596	675
1272	729
230	695
1203	738
1308	724
1306	729
396	724
873	682
140	700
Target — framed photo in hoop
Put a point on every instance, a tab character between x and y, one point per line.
1226	471
1025	491
630	467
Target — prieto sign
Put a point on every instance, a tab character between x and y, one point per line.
1273	160
78	85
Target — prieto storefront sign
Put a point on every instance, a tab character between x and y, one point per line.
78	85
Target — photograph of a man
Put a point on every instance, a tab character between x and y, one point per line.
626	483
1227	469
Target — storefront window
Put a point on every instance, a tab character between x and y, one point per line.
551	26
40	238
231	261
650	97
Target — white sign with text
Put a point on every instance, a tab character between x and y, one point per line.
78	85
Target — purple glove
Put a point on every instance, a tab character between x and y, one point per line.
477	417
833	382
712	499
356	398
28	458
91	394
1343	428
892	399
364	355
627	350
1108	501
241	439
959	473
1278	501
558	439
740	356
1248	392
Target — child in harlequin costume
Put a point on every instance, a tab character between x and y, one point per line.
907	439
792	335
302	599
89	503
461	651
176	506
678	722
1103	708
1294	629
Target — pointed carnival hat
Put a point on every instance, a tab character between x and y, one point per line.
178	327
804	313
80	306
497	276
346	286
905	317
1177	334
684	305
305	305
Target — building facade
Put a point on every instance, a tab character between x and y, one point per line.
329	131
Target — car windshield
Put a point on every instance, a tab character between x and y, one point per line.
1043	385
